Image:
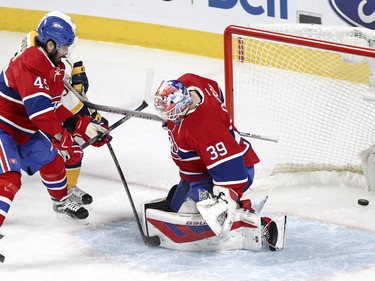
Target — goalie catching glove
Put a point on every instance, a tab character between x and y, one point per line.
219	210
88	128
69	149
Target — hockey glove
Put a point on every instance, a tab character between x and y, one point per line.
79	78
96	115
87	128
69	149
219	211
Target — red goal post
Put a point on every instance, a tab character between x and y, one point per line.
329	68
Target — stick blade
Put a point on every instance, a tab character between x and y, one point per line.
152	241
148	95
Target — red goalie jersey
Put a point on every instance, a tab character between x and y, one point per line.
205	144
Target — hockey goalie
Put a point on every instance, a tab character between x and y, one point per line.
206	210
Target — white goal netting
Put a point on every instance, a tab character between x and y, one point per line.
310	99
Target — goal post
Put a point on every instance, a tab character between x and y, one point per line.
304	85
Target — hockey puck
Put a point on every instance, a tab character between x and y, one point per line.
363	202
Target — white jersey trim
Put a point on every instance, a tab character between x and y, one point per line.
9	98
17	126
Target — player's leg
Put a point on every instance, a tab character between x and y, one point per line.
269	227
78	195
10	183
10	173
54	178
39	155
246	203
187	194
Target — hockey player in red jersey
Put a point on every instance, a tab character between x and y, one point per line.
69	100
216	165
30	109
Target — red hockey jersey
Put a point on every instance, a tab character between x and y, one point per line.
206	144
30	93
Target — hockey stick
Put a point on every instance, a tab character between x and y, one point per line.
255	136
112	109
2	258
148	240
152	241
144	104
113	126
142	115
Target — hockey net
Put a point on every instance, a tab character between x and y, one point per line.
303	85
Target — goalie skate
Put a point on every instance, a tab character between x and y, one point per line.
273	235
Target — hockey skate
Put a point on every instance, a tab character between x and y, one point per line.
79	196
70	208
269	232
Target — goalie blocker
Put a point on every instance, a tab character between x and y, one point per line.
190	232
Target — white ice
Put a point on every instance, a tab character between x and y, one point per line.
329	236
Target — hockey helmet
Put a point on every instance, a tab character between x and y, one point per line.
59	28
172	100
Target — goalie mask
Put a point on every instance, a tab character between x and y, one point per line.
59	28
172	100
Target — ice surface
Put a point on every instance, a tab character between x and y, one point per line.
329	236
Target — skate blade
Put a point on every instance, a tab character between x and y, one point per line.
68	219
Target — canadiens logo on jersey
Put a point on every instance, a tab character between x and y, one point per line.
13	161
173	146
59	72
212	90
